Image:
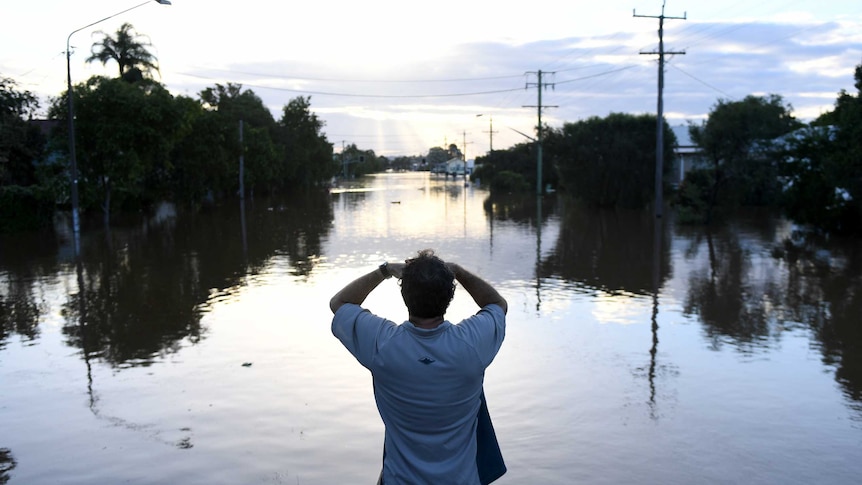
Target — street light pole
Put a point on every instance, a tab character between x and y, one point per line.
490	131
73	159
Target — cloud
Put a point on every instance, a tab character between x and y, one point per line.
423	75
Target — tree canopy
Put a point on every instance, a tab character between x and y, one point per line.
125	134
128	49
137	144
20	142
610	162
22	145
822	167
737	140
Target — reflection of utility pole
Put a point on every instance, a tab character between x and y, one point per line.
82	324
538	254
241	164
659	149
343	162
656	280
465	158
242	228
539	85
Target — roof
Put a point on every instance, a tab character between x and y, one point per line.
682	137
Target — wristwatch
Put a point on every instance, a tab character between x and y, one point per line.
384	270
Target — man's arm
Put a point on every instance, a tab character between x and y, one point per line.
481	291
357	290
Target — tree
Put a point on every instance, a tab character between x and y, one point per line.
200	158
736	140
847	155
308	159
130	51
23	203
230	105
125	134
808	174
610	162
454	152
511	170
21	143
436	155
404	163
823	167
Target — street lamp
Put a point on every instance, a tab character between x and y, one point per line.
76	226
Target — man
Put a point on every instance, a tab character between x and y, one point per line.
428	373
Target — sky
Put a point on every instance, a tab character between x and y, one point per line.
401	77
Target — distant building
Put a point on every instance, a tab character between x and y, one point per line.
456	166
46	127
688	155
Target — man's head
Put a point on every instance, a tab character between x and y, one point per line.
427	285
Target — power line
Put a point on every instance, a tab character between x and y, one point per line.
376	81
710	86
356	95
592	76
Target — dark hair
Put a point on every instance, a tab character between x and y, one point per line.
427	285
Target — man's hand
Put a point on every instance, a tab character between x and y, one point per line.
396	269
357	290
454	268
481	291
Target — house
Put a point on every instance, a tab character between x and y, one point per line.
687	154
456	166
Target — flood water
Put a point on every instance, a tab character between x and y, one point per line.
196	349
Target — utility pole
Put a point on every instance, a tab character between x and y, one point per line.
490	133
659	148
539	85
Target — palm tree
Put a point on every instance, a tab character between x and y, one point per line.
132	56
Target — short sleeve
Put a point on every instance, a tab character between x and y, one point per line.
359	331
486	331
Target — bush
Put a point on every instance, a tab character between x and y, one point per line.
508	182
25	208
691	200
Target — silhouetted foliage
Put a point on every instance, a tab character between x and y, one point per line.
510	170
128	49
822	168
737	141
610	162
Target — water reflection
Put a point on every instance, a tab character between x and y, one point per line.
695	306
141	289
750	283
611	251
20	311
822	289
527	210
734	301
137	301
24	260
7	464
